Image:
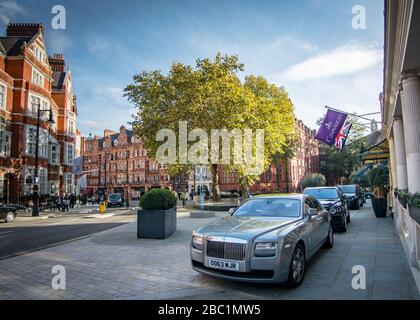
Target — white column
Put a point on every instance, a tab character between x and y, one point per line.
410	100
394	181
400	158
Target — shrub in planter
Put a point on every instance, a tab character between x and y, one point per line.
313	180
157	217
379	180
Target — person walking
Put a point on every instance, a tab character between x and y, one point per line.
65	203
184	198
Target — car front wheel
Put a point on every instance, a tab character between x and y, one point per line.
10	217
329	242
297	267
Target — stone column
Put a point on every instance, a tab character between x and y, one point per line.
410	100
394	181
400	157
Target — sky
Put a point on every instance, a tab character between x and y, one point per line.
307	46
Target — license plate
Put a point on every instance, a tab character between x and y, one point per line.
223	264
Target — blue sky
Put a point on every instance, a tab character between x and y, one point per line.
308	46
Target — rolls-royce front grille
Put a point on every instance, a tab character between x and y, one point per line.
226	250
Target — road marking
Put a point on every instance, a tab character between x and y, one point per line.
6	232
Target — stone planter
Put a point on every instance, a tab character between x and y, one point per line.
156	224
379	207
414	213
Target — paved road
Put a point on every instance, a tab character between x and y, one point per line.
29	234
114	264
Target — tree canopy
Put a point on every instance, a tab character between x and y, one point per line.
208	96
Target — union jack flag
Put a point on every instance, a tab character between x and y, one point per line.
340	140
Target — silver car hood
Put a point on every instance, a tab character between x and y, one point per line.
244	227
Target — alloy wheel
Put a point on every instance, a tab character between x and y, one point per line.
298	265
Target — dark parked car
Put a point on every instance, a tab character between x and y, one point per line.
7	213
354	195
116	200
333	200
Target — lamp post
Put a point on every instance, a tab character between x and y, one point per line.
35	195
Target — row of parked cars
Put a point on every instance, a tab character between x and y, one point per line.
270	238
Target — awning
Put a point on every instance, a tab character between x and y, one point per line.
376	154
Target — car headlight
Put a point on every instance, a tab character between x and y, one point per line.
266	246
333	210
338	209
197	241
265	249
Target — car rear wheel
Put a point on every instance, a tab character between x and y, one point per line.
343	227
10	217
297	267
329	242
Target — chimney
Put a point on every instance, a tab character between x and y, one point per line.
108	133
57	62
24	29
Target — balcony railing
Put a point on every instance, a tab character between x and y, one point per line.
409	231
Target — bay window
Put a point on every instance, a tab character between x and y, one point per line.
3	92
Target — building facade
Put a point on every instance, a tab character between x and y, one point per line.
401	114
31	79
283	176
117	162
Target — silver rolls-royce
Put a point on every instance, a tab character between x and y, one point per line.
267	239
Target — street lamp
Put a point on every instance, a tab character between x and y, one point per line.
35	195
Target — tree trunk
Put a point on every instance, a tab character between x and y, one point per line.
215	180
245	189
286	172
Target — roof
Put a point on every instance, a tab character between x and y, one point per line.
114	137
12	45
279	195
58	79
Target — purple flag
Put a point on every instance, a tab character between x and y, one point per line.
331	126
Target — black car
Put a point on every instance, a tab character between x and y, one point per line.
116	200
354	195
333	200
7	213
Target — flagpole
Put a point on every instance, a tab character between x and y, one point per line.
353	114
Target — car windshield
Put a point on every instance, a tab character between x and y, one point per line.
322	194
114	197
348	189
274	207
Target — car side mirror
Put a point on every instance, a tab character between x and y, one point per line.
312	212
231	210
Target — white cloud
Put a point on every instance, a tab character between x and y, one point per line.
345	60
8	9
98	44
58	41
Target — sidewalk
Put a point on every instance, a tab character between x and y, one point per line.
116	265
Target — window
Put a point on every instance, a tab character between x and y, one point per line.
3	92
54	154
36	101
70	153
37	78
69	182
5	141
39	54
71	127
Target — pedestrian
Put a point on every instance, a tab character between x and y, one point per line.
184	198
72	200
57	204
65	203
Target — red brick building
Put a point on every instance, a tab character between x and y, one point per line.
29	78
117	162
282	177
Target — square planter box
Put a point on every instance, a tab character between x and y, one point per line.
156	224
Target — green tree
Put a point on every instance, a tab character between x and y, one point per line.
209	96
338	166
313	180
